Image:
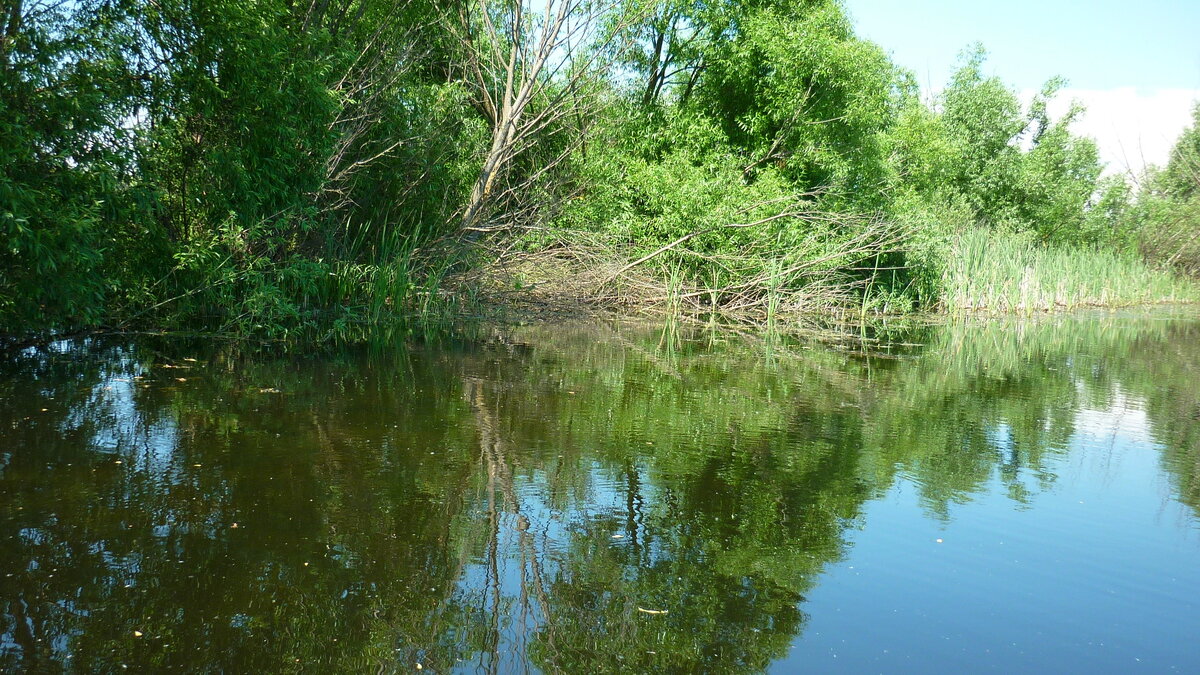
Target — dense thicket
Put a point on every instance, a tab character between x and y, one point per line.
263	166
220	162
1168	208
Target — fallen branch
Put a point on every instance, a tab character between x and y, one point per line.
686	237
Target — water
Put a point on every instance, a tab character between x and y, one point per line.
1008	496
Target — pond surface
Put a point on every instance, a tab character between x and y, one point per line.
1010	496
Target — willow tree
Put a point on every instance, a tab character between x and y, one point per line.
63	146
535	71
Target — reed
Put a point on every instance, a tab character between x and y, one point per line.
1004	273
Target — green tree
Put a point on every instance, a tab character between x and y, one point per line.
1180	178
1167	212
792	87
69	216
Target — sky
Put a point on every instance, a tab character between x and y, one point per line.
1135	65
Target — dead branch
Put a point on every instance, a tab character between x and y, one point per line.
530	69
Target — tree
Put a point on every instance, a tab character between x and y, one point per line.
795	89
1168	210
68	216
532	73
1180	178
984	120
1015	166
667	49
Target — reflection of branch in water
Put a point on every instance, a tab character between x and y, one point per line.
500	482
634	517
23	635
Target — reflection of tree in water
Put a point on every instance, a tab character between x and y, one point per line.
1166	373
727	557
575	502
999	401
504	516
338	555
697	561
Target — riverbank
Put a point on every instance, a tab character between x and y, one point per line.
223	191
983	274
978	272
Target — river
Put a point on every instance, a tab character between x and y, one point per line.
1008	495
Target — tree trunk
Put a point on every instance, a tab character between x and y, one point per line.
657	69
12	27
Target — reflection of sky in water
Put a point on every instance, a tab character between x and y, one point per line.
149	444
1096	568
525	553
118	425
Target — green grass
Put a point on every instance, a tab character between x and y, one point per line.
1001	273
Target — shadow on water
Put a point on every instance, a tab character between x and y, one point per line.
560	498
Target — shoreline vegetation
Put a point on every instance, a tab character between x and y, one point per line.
310	172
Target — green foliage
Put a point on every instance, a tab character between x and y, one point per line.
921	153
676	193
1167	211
1015	168
984	122
1181	177
780	98
794	89
1059	176
68	207
223	165
178	163
979	159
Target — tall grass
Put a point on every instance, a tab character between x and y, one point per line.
997	272
351	289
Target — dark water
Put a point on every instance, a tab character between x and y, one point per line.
1005	496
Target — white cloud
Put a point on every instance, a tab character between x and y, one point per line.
1133	128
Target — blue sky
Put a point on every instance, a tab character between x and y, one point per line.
1151	44
1135	65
